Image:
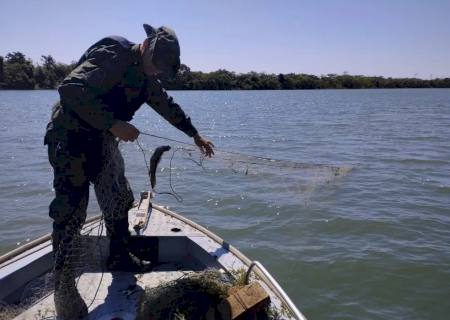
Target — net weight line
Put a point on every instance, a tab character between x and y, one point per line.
272	162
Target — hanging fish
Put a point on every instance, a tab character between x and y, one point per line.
154	161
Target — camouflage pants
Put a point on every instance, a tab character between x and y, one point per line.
79	159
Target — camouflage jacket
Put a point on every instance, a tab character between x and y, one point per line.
108	84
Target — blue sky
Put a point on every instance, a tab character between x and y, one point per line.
398	38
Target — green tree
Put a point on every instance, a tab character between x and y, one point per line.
50	73
18	72
45	75
1	72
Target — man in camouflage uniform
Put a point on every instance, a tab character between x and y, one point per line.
98	98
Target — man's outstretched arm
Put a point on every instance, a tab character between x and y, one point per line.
164	105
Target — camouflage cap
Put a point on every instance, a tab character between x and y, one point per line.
165	49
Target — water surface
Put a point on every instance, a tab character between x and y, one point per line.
371	244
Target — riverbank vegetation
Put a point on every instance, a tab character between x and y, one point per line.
19	72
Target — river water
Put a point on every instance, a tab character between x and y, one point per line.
369	241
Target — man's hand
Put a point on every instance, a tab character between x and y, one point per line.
205	146
124	131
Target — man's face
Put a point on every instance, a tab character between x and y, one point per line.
152	68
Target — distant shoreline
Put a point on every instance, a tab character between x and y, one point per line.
17	72
318	89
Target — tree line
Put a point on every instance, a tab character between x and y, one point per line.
19	72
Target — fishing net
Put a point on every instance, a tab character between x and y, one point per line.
189	297
243	173
34	291
87	255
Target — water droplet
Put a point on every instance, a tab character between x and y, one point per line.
278	213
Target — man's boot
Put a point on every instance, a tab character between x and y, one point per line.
120	258
68	302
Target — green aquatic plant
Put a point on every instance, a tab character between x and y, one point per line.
239	277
